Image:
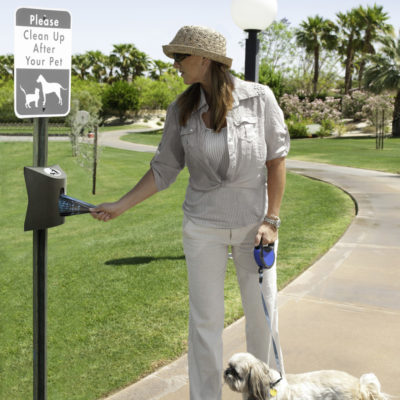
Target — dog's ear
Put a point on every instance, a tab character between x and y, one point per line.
258	381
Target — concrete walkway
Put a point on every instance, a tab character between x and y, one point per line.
343	312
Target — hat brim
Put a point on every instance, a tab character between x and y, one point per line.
170	49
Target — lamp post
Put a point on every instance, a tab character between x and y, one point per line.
253	16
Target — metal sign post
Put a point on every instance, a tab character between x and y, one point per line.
95	159
42	80
40	276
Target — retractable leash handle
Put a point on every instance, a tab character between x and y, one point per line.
264	256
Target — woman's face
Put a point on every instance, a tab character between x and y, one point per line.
193	69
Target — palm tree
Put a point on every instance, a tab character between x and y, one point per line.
315	34
158	68
98	62
130	61
349	43
110	63
140	63
384	74
373	25
81	66
123	59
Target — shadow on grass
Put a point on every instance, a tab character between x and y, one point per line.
140	260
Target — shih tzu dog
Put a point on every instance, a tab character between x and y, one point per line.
250	376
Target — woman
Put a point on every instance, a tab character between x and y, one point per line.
231	135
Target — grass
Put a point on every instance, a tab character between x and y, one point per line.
27	129
121	127
117	292
358	153
150	138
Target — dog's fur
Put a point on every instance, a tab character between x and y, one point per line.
248	375
31	97
50	87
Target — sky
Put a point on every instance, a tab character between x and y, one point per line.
98	24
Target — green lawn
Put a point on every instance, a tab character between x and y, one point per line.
117	292
151	138
122	127
359	153
27	129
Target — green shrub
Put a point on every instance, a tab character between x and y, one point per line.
119	98
272	78
7	102
89	95
158	94
352	105
297	128
327	127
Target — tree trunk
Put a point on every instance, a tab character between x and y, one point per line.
361	73
396	116
316	70
349	66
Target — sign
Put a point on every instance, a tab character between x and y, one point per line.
42	63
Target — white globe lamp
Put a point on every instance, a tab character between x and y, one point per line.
253	16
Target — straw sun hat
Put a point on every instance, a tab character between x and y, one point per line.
199	41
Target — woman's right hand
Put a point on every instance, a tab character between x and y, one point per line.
106	211
145	188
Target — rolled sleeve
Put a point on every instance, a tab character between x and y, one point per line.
276	132
169	159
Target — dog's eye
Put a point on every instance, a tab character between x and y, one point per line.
232	371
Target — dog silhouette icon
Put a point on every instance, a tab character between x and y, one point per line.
50	87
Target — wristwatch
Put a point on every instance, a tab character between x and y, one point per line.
273	220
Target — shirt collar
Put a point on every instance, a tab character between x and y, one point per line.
242	90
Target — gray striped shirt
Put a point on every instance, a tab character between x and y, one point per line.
220	193
215	148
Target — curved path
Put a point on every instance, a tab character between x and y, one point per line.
343	312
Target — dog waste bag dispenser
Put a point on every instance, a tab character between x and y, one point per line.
47	202
44	186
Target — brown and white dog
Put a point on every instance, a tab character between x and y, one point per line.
250	376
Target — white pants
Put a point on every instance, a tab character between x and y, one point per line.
206	252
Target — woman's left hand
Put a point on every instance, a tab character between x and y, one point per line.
267	233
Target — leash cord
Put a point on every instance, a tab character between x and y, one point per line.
278	363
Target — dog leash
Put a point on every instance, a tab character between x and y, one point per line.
265	258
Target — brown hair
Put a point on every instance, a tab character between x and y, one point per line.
221	97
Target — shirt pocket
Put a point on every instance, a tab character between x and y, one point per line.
249	137
188	137
246	127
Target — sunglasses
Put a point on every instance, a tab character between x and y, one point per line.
179	57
